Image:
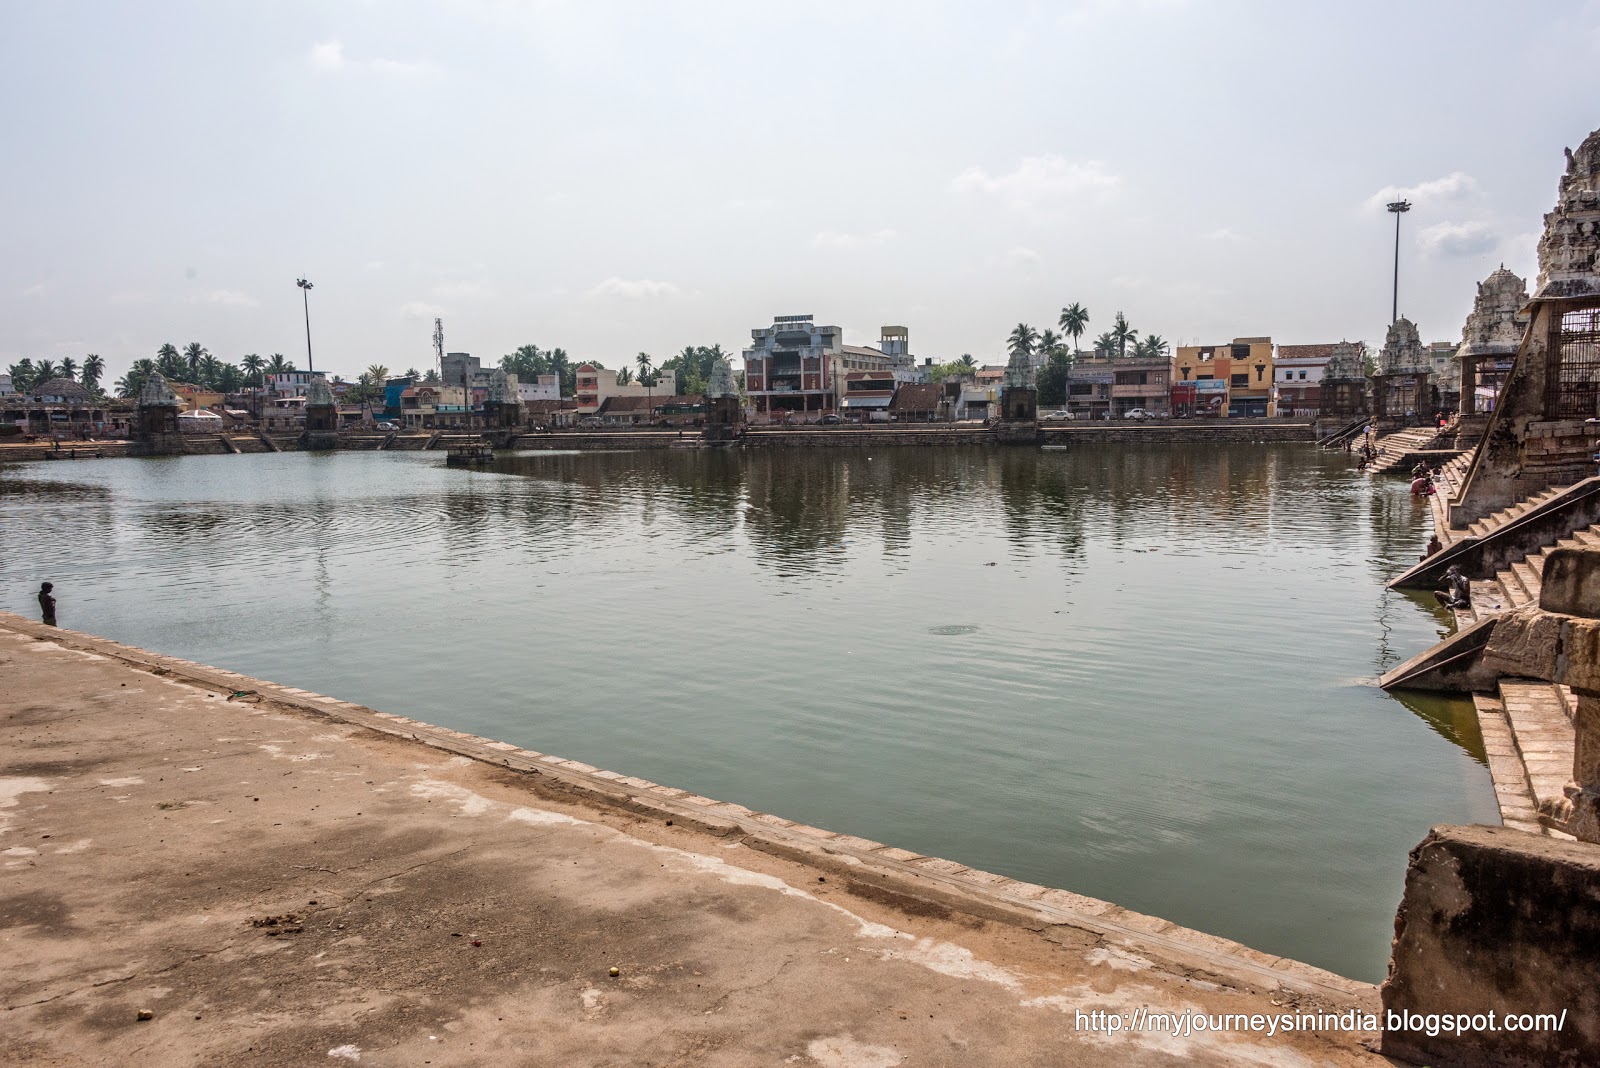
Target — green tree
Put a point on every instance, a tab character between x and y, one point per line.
378	376
527	363
1123	335
431	378
253	366
1074	320
68	368
210	370
130	384
1106	343
412	373
562	367
194	357
1153	347
1022	341
43	372
277	365
624	377
93	368
230	379
170	362
646	369
967	363
1052	378
23	374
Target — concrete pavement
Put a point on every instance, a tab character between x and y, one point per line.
283	883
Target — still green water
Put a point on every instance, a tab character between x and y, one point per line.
1139	673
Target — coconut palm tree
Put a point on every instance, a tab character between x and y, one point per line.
966	362
1153	347
22	375
229	379
130	384
1049	344
170	362
68	368
624	377
252	365
1074	320
561	367
210	370
1123	335
194	355
377	376
645	367
93	368
43	372
1022	340
277	365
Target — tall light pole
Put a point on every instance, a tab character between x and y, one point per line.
1397	208
305	295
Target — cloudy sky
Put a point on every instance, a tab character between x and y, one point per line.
613	177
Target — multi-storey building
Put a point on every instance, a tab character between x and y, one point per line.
1298	370
1246	365
792	367
1102	386
596	385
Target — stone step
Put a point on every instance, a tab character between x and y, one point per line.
1511	789
1489	598
1529	578
1544	738
1589	538
1515	595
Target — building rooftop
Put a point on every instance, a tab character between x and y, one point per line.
923	397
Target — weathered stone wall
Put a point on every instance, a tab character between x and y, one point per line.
1502	921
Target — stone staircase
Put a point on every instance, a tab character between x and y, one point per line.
1394	449
1528	735
1518	585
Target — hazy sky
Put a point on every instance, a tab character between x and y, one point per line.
612	178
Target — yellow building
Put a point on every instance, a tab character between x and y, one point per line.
1237	379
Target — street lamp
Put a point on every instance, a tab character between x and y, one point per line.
305	295
1397	208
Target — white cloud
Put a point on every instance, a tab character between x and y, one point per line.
830	239
232	298
1455	186
329	56
419	309
1457	239
1039	180
634	288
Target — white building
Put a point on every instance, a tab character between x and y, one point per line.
547	388
6	388
291	383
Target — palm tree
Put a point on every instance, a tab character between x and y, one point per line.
377	376
966	362
1049	344
645	367
169	362
130	384
252	365
1153	347
194	355
278	365
1105	343
68	368
1022	340
22	375
561	367
43	372
624	377
93	368
1074	320
1123	335
210	369
229	379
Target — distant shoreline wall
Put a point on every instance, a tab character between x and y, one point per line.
932	435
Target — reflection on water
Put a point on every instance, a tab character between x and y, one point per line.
1142	673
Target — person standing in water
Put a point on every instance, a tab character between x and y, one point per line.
47	603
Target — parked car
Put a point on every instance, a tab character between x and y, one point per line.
386	427
829	420
591	422
1062	414
1137	413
